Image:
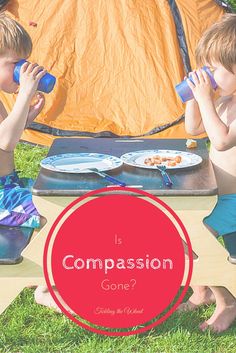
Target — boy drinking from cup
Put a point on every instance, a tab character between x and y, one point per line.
16	206
217	50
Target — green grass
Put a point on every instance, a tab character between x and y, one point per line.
27	159
26	327
232	3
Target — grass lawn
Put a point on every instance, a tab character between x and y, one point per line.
233	4
27	159
29	328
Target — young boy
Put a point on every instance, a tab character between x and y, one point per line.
217	49
16	206
15	44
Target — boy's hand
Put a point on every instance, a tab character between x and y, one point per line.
30	74
35	109
201	85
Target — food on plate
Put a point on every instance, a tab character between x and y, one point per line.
191	143
152	161
178	159
170	161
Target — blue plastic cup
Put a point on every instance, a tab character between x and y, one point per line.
185	92
46	83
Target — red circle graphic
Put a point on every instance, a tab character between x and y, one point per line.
117	261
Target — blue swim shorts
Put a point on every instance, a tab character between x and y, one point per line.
16	205
223	217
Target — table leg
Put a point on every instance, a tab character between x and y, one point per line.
50	208
14	278
8	292
210	268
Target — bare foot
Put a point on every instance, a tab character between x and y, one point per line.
198	298
221	319
42	296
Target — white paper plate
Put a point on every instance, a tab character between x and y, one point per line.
80	162
137	158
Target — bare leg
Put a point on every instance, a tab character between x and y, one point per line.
202	295
42	296
225	312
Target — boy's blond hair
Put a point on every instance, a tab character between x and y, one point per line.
14	37
218	44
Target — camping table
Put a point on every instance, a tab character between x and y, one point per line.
192	197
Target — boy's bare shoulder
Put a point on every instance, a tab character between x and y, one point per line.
226	109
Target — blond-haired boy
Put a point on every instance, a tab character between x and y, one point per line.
217	49
16	206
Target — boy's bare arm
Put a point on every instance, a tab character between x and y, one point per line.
193	120
3	112
222	137
11	127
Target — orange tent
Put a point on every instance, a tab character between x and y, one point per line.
116	62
